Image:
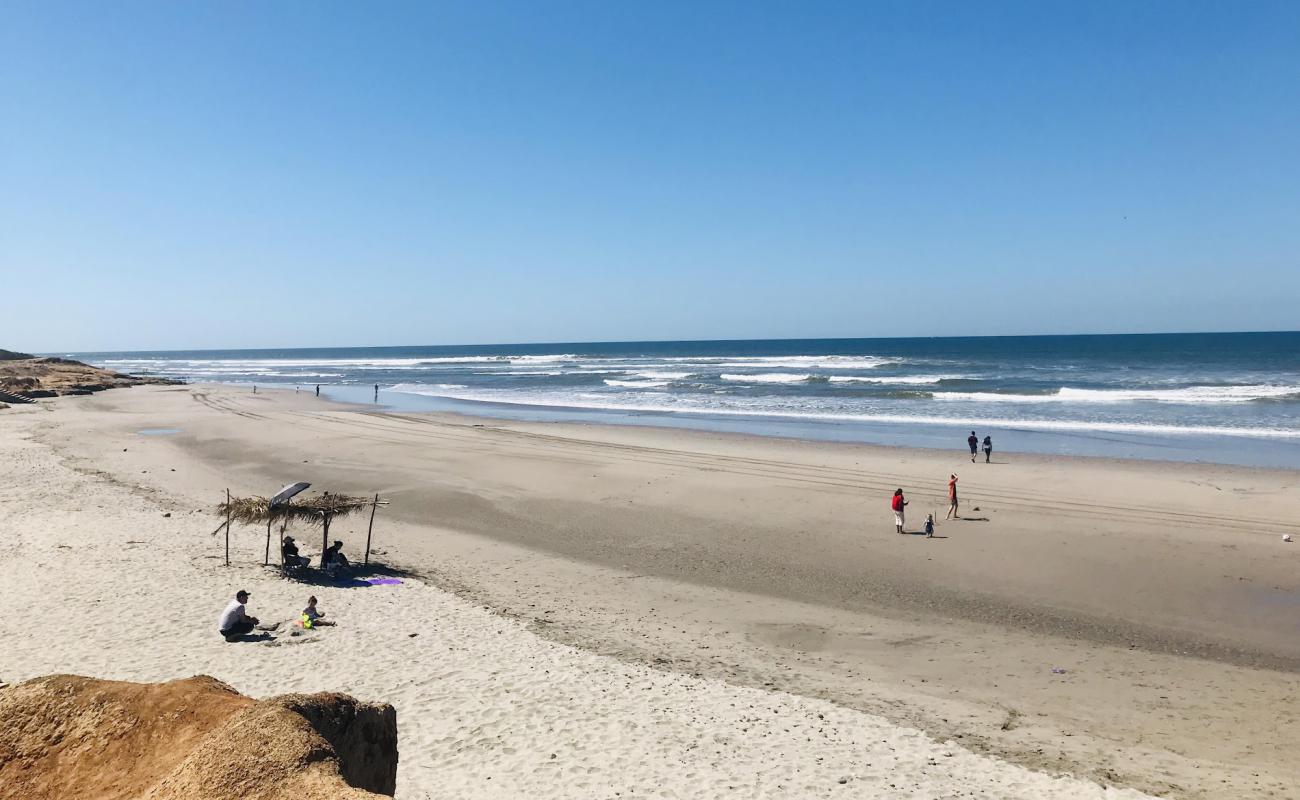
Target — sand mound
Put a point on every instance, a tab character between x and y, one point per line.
65	737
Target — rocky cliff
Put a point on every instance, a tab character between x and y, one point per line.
22	375
65	737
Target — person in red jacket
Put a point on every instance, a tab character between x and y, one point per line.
898	503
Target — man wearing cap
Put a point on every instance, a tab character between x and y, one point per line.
234	622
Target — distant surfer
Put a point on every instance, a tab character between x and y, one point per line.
974	442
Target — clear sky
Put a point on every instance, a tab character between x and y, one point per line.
247	174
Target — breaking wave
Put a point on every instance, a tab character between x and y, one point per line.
1190	394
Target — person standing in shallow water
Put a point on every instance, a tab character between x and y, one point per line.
988	448
974	442
898	503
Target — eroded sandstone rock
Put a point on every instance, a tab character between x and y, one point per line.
51	377
65	737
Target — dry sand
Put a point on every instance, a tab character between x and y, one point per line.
676	614
67	737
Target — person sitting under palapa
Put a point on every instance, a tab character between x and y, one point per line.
289	552
333	559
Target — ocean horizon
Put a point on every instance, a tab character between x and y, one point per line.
1219	397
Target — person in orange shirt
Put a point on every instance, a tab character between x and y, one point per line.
952	498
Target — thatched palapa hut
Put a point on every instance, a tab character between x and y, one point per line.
318	509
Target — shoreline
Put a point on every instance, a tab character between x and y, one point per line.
884	448
513	514
592	428
1258	450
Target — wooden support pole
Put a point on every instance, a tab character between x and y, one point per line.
228	527
324	538
267	561
373	507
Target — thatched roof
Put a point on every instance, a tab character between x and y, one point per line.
312	509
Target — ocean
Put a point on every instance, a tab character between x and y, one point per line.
1220	397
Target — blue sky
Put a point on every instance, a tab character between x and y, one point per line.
186	175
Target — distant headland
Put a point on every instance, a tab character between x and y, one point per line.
25	377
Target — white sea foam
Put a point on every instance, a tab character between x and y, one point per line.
450	390
361	363
691	404
636	384
770	377
234	372
743	362
1191	394
794	362
303	374
209	365
528	373
672	376
900	380
549	359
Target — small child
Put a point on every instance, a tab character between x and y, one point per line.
311	617
929	526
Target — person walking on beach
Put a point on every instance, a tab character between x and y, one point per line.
952	498
318	390
974	442
234	621
988	448
898	503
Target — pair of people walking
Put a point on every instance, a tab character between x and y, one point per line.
974	442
